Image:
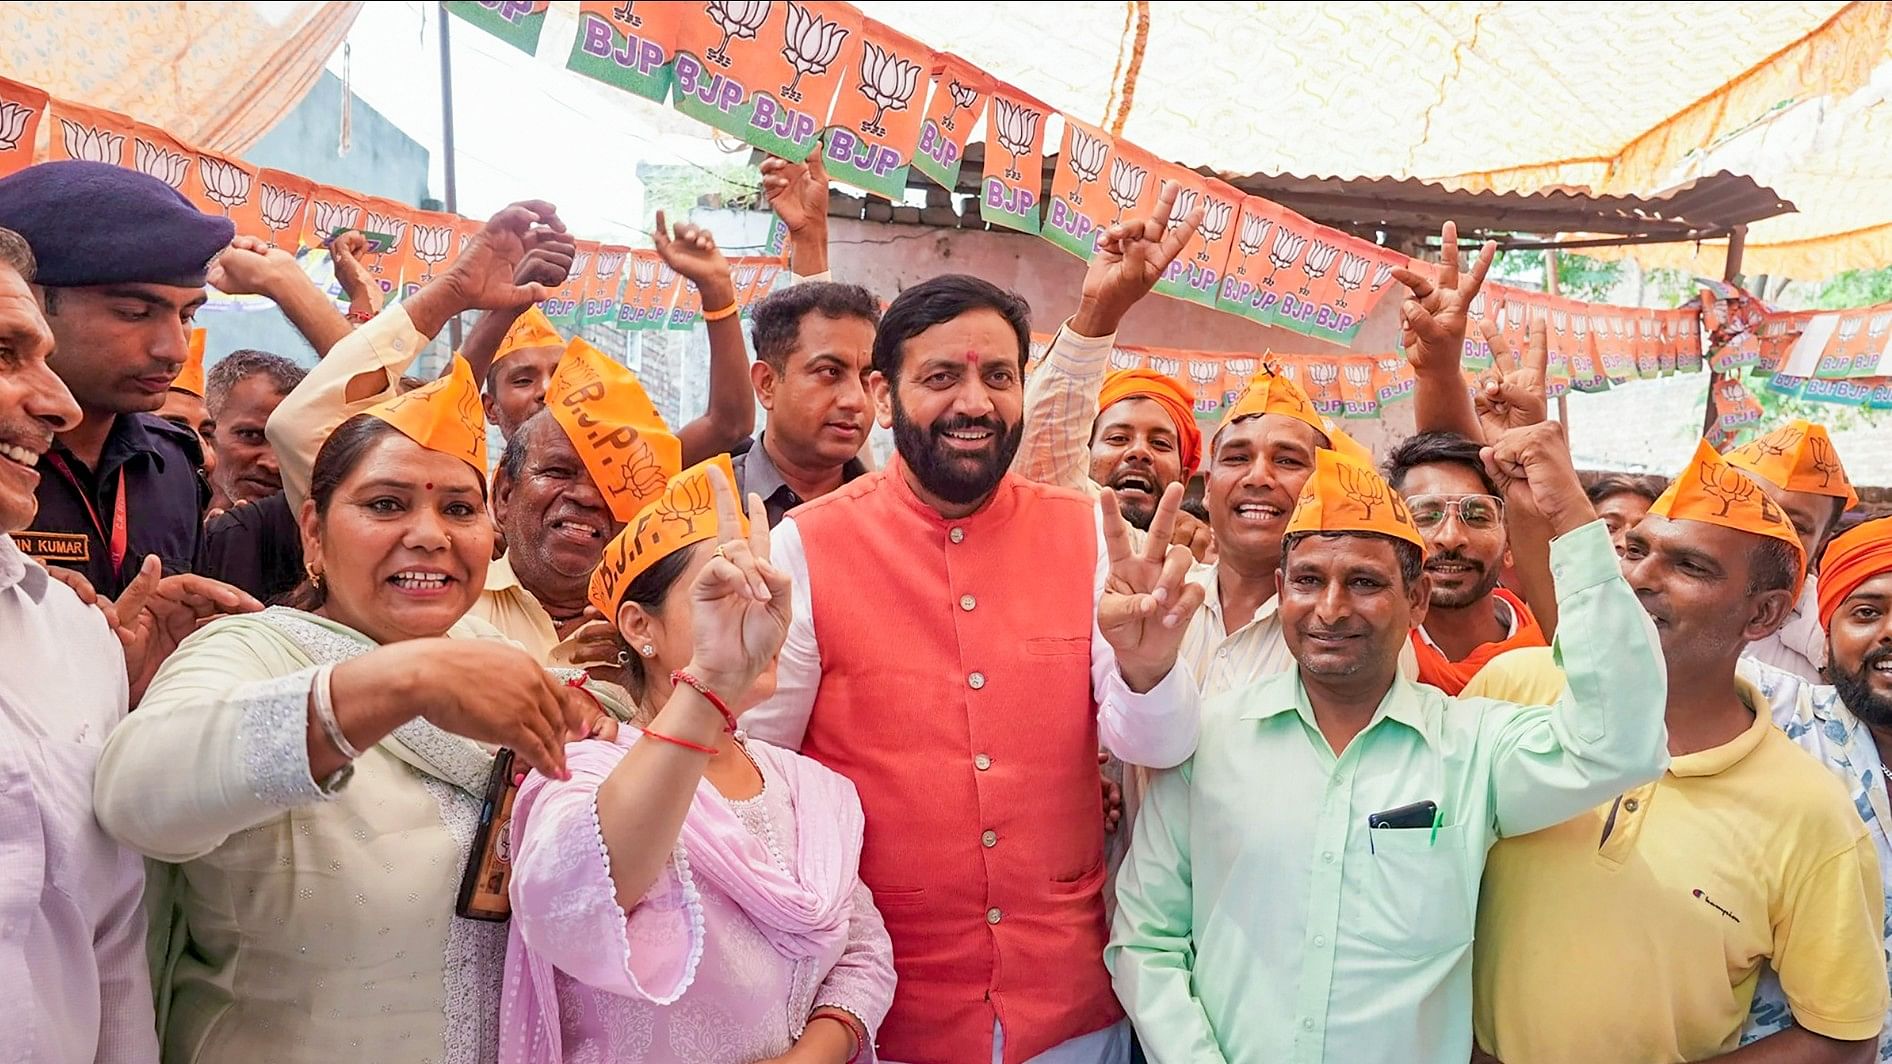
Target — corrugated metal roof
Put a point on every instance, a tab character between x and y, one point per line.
1408	210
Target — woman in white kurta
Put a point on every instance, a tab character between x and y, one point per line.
312	893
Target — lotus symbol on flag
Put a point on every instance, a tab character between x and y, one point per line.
1126	185
1392	367
580	261
624	14
1382	273
1879	324
1215	218
809	43
744	277
1477	310
1648	328
1559	321
1579	325
92	145
1358	373
1203	373
392	227
1254	234
1320	259
608	263
13	118
1121	359
643	272
332	216
1185	202
1241	368
736	18
431	243
1086	161
1352	274
1286	250
1848	328
165	165
281	208
1168	367
964	96
1322	372
888	81
224	182
1017	128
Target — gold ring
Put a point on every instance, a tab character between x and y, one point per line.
719	552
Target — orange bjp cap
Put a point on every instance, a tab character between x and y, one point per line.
444	415
1798	456
532	330
684	513
1715	491
605	412
1346	494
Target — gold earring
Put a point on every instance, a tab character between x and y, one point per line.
315	578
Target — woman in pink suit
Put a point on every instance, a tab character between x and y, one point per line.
689	894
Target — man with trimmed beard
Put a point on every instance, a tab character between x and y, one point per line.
963	640
1460	512
1847	726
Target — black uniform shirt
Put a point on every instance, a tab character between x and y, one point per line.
163	505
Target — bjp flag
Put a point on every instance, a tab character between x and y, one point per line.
1196	273
92	134
22	107
222	184
766	73
1014	160
960	92
626	46
330	212
158	154
275	213
875	126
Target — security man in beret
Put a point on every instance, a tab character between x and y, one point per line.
122	259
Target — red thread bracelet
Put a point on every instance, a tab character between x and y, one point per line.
682	678
687	745
848	1020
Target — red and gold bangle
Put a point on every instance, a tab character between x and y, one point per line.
686	744
719	315
360	317
680	678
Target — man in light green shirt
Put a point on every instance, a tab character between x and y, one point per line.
1259	919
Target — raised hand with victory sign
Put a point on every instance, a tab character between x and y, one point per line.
1148	601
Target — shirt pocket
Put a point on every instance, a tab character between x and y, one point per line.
1412	898
1045	646
23	843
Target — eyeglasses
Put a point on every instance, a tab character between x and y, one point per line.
1481	512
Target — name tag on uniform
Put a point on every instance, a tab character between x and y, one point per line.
55	546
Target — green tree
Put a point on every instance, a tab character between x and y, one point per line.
1856	288
1578	276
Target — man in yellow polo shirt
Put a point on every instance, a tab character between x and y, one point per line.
1636	932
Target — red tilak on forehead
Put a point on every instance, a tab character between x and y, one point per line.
429	486
972	358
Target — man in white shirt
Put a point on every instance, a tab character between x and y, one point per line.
72	927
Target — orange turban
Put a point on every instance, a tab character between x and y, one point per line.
683	514
1713	491
1858	555
444	415
1170	394
532	330
1797	456
191	377
611	422
1348	495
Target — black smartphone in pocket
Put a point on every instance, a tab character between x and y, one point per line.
1416	815
483	887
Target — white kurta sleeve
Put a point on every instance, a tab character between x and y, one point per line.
1156	729
306	416
783	718
218	745
1060	406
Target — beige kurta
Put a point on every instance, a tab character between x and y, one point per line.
509	607
315	927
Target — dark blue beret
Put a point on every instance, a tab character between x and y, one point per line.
95	223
